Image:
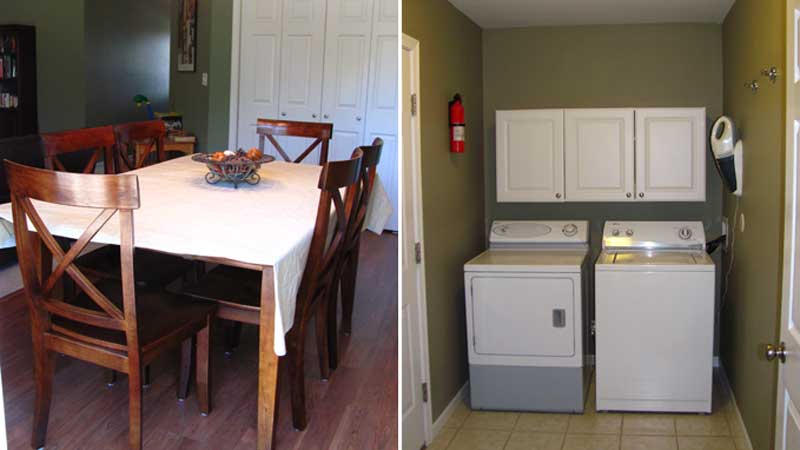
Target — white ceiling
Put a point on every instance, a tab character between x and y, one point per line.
523	13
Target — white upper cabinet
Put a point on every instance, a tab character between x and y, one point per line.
671	154
598	155
344	93
260	43
530	155
301	60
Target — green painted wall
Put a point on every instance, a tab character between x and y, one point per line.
602	66
450	62
219	76
753	38
186	93
60	60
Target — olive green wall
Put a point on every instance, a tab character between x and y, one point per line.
219	76
452	185
753	38
60	60
603	66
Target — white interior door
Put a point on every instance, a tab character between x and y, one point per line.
787	434
344	93
671	154
530	155
598	154
260	53
382	108
415	411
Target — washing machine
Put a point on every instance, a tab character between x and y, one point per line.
654	307
526	307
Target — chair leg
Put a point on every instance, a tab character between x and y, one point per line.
321	322
349	272
112	378
135	405
333	327
44	368
185	370
295	350
203	370
233	334
146	380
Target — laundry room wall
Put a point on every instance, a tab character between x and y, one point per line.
753	37
452	184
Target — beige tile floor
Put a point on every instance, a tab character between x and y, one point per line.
486	430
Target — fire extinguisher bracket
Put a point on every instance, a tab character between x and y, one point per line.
456	123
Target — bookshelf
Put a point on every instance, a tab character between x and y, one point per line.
18	114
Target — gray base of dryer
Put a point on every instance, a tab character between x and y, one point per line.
523	388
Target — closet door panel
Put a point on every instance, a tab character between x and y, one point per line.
260	52
382	107
301	60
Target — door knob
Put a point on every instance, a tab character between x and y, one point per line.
358	118
324	116
776	351
283	114
314	116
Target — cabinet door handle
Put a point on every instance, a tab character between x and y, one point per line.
641	194
629	195
283	114
358	118
558	195
324	116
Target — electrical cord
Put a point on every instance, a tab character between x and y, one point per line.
732	233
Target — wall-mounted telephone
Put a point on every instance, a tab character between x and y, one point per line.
727	149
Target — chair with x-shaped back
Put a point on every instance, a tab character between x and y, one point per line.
108	323
320	132
79	150
139	144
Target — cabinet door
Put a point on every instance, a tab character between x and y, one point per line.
301	59
530	155
382	107
259	75
598	154
671	154
344	93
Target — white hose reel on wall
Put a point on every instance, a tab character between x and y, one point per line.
727	150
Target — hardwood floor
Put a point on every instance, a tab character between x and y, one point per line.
355	409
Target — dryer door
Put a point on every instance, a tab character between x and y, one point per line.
524	315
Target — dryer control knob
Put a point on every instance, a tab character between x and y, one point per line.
685	233
615	233
629	232
570	230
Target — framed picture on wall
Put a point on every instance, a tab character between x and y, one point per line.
187	36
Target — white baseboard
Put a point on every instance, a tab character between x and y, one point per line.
737	413
448	411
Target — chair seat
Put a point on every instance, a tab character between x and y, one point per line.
159	313
231	286
150	268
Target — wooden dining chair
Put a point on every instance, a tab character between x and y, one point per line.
110	324
238	290
320	132
79	150
139	144
348	268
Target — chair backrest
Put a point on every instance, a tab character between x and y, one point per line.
369	167
320	132
24	150
148	135
111	194
79	150
325	250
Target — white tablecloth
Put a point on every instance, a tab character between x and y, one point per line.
267	224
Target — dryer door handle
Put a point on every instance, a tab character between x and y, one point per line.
559	318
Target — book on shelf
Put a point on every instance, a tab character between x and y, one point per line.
184	139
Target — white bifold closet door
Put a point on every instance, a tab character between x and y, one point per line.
344	93
382	106
259	76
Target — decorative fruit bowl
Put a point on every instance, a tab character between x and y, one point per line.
234	167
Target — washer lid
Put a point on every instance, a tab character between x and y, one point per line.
539	232
515	260
654	260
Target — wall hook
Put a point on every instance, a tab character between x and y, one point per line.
771	73
753	85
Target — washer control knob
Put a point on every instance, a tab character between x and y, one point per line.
685	233
615	232
628	232
570	230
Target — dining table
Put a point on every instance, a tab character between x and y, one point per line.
266	227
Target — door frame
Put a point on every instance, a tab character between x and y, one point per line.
415	190
790	210
236	33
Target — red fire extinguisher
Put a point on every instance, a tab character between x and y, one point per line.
456	125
